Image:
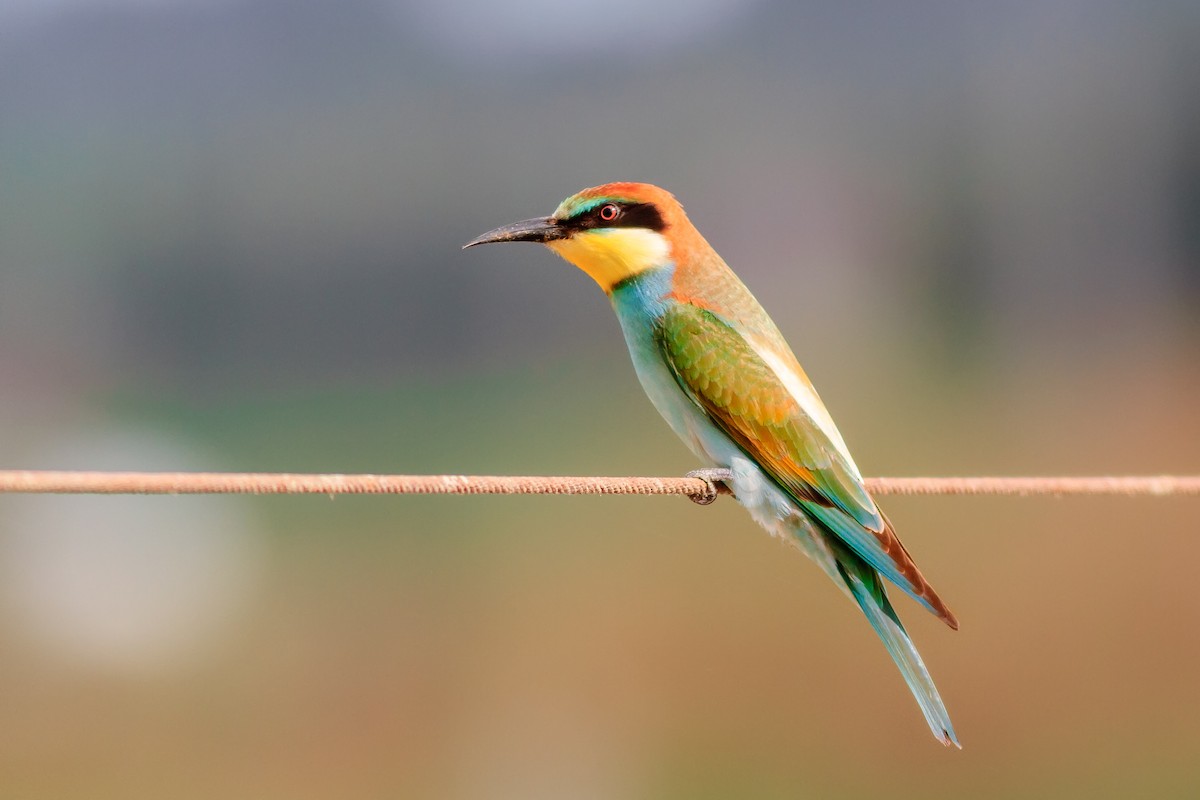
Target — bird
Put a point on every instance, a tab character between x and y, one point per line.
718	370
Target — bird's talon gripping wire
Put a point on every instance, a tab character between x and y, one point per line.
717	481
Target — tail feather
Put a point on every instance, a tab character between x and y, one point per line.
868	590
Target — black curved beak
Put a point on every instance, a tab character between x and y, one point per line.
541	230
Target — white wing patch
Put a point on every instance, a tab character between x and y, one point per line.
805	396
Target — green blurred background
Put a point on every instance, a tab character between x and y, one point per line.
229	239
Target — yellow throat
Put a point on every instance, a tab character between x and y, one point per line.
611	255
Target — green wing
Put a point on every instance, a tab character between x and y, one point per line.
720	371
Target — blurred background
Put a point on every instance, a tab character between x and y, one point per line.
229	239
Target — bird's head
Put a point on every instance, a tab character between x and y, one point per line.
612	232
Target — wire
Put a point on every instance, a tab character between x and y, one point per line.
699	489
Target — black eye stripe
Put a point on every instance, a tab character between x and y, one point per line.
632	215
641	215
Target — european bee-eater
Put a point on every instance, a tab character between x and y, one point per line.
719	371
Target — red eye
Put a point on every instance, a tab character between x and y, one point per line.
610	212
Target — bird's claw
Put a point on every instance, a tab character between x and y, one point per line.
717	481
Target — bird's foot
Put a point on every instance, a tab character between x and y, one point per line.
718	483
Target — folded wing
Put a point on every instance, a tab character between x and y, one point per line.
745	397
